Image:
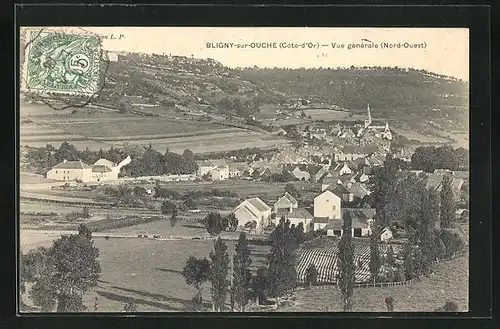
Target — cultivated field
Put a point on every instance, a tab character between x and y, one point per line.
449	283
325	259
96	129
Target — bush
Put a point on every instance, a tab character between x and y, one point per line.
452	241
448	307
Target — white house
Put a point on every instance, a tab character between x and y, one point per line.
205	166
386	234
253	209
220	173
101	170
70	171
104	169
362	222
296	216
327	204
286	202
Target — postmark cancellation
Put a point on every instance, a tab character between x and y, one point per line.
60	62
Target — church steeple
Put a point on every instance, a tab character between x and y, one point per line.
368	121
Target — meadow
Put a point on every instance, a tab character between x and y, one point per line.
148	272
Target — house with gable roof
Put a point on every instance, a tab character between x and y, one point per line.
70	171
101	170
287	201
361	221
296	216
300	174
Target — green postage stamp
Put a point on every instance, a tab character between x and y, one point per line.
57	62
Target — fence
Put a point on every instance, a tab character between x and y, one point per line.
386	284
366	285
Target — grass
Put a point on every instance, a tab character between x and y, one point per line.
149	273
449	283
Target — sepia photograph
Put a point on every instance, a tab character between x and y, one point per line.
243	169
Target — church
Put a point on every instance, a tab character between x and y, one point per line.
380	130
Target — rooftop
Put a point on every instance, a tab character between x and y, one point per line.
259	204
100	168
296	213
369	149
72	165
105	162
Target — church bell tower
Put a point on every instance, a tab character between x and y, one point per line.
369	119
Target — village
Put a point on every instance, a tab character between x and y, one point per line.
188	186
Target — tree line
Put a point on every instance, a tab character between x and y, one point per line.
430	158
426	215
355	87
146	161
276	279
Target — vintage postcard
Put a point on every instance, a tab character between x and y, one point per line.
219	169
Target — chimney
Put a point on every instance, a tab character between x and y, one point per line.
291	209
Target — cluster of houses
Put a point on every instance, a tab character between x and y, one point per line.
359	133
325	214
101	170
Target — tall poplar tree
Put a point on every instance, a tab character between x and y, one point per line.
282	276
346	263
447	203
383	184
219	268
241	273
374	257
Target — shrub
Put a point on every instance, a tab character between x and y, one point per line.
452	241
389	302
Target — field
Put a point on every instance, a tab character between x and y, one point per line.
149	272
449	283
325	114
96	129
325	259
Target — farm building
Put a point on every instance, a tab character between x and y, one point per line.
327	204
351	153
205	166
253	209
70	170
101	170
104	170
296	216
220	173
238	169
286	202
362	220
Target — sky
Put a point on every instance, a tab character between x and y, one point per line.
442	50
